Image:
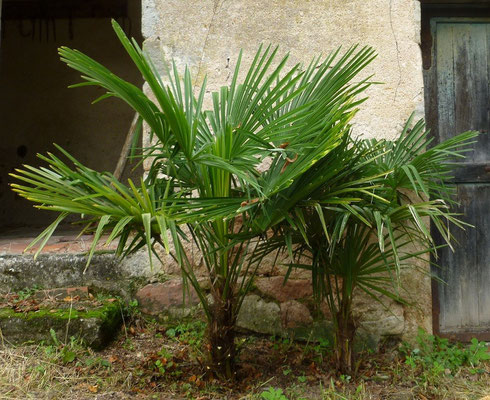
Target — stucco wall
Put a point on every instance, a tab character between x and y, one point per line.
208	34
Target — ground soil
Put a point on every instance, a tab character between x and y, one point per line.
151	360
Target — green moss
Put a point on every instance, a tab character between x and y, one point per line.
96	326
104	311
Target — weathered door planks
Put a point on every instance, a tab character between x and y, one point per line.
460	74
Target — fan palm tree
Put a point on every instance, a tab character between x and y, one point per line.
363	246
205	170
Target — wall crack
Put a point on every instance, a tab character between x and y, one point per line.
217	4
397	52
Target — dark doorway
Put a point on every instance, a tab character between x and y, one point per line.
456	44
37	109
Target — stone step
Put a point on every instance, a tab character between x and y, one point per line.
33	317
62	263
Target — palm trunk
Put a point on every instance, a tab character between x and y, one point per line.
221	339
345	331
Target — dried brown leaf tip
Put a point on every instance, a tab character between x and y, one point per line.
289	161
284	145
248	202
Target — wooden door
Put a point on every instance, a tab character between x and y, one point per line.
459	97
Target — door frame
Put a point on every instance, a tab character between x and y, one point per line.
432	14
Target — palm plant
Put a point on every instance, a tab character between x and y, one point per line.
205	168
363	246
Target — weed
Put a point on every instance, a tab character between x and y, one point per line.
344	393
128	344
163	362
283	344
437	355
133	310
322	349
28	292
191	333
273	394
97	362
64	352
319	351
477	352
162	367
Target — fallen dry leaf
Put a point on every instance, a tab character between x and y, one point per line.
200	384
93	389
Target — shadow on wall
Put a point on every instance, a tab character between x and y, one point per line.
37	109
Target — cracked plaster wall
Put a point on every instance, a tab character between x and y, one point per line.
207	35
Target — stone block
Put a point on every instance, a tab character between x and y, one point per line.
157	298
260	316
291	290
295	314
378	319
95	326
51	270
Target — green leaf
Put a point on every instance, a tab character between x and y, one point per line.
319	211
45	235
146	218
98	233
69	356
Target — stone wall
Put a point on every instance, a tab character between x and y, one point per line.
207	35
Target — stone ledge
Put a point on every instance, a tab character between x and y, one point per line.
96	326
106	272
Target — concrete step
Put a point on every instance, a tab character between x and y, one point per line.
43	315
62	263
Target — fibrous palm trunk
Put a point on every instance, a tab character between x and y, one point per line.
345	331
221	338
